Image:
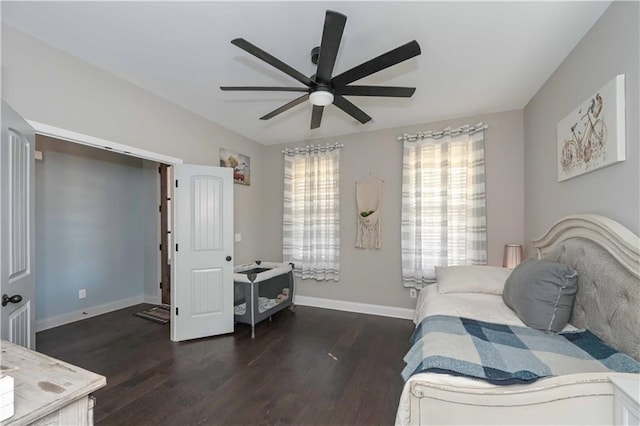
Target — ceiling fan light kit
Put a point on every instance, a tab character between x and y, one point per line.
323	89
321	98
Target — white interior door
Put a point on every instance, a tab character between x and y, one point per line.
17	278
202	266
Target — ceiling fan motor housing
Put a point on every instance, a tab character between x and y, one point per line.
315	54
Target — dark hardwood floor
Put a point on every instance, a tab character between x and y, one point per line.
286	375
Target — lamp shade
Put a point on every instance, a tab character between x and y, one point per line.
513	255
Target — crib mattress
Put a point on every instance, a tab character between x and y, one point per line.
262	271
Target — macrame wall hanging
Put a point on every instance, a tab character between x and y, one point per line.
368	194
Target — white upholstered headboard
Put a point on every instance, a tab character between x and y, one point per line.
607	258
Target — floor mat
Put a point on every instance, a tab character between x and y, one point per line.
160	314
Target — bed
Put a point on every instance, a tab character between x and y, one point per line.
606	256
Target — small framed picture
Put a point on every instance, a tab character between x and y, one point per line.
240	163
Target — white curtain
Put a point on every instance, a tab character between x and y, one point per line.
311	222
443	203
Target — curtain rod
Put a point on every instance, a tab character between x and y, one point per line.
448	131
312	148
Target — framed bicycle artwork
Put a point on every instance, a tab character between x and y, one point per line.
593	135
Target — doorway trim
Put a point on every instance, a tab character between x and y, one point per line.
71	136
165	271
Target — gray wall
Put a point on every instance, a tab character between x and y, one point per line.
374	276
608	49
89	227
50	86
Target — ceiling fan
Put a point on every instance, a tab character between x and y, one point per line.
322	88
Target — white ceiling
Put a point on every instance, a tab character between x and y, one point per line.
477	57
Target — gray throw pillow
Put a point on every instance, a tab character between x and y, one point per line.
542	293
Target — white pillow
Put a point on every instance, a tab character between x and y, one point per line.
471	279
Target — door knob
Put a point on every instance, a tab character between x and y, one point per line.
228	258
16	298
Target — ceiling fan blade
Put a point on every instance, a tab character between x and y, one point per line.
285	107
316	116
399	92
378	63
331	35
271	60
351	109
263	89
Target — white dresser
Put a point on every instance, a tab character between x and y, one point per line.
626	401
48	391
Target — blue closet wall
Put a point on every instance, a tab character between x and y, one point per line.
89	228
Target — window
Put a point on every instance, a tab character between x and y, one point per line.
311	222
443	203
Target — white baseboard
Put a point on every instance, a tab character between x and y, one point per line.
92	311
361	308
154	300
317	302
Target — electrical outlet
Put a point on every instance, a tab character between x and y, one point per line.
413	293
82	293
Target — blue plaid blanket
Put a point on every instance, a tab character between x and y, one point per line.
505	355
